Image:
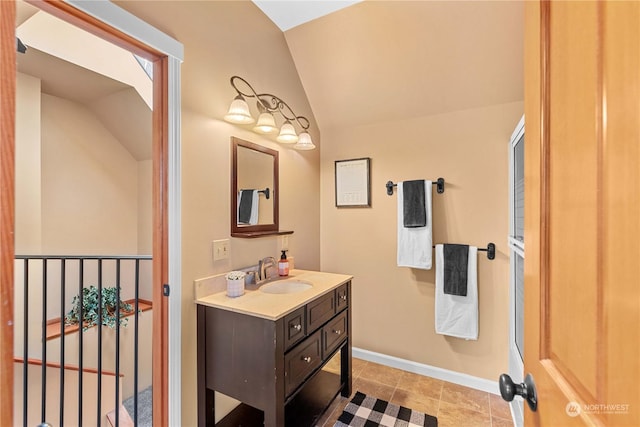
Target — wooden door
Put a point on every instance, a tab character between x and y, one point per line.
582	212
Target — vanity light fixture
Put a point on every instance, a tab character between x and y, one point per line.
267	105
304	142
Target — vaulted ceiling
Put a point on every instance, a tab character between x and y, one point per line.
122	108
388	60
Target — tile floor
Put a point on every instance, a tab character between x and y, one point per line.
454	405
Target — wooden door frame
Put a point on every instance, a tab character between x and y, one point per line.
7	203
165	153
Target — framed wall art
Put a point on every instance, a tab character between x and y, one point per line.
353	183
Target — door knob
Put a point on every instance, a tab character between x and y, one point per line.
527	390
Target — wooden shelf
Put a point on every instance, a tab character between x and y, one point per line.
242	415
254	234
53	326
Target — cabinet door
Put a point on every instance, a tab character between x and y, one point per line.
342	294
302	361
294	327
333	334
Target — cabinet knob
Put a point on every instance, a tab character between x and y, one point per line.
337	331
296	327
306	359
343	297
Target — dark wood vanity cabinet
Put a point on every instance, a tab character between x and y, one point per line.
275	367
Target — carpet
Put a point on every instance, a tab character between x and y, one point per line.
145	407
366	411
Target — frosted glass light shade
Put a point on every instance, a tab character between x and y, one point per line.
239	112
266	124
304	142
287	134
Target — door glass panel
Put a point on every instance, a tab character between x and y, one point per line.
518	190
519	302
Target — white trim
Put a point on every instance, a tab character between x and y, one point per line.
516	245
516	367
175	243
131	25
517	132
428	370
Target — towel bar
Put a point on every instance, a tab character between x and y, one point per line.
265	192
439	182
490	250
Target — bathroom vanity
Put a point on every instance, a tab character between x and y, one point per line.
276	353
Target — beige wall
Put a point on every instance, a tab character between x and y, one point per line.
28	164
393	310
223	39
78	190
89	191
145	207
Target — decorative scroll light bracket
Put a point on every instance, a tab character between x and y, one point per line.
268	104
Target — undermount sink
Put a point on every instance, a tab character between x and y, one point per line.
285	287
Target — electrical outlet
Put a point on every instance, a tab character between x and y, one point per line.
284	243
221	249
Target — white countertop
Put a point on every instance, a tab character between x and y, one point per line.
275	306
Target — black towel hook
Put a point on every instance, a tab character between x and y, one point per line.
439	182
490	250
265	192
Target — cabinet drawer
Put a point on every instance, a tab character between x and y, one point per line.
294	327
302	361
334	333
342	295
320	310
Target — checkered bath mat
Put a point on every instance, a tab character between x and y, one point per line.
365	411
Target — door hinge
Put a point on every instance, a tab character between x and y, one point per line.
165	290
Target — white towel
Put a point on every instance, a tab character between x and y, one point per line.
457	315
255	202
414	244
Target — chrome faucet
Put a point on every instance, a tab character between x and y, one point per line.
263	267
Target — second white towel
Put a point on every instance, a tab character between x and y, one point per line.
457	315
414	244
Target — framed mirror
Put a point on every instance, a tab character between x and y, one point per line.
254	189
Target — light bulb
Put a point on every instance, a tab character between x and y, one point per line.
239	112
287	134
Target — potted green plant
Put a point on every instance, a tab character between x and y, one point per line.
90	308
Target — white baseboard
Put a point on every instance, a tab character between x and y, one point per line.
428	370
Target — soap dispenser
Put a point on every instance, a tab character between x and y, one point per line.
283	264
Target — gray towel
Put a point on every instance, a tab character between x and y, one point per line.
456	260
414	209
246	204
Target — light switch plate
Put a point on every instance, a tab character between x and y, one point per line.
221	249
